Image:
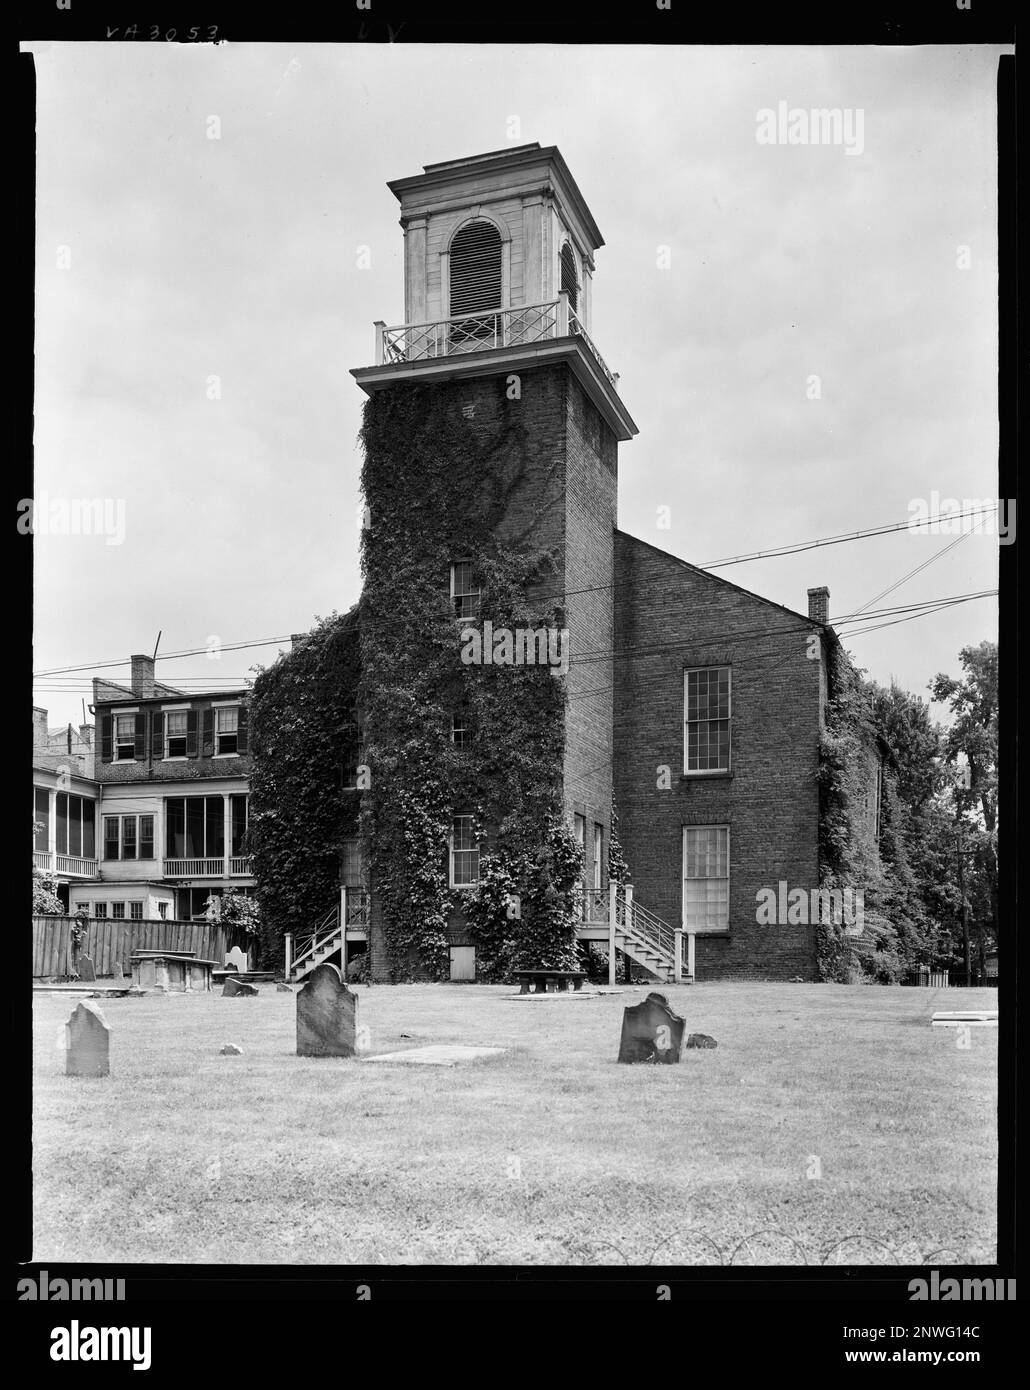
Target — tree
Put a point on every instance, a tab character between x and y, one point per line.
45	899
973	734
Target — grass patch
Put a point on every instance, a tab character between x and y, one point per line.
549	1154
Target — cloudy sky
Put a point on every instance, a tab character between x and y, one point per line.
166	258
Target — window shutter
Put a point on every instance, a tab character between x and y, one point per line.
141	735
569	283
191	733
157	734
106	737
475	269
207	744
242	729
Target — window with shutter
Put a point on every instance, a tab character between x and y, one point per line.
475	276
569	280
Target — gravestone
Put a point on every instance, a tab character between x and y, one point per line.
88	1043
237	960
119	973
651	1032
87	972
326	1015
701	1040
237	989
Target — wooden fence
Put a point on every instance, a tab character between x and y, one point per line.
111	940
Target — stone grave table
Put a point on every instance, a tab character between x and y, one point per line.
171	972
549	981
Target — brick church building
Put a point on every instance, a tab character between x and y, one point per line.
698	704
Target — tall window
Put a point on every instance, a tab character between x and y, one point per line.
464	852
352	870
598	853
175	733
124	737
465	590
706	877
226	725
461	733
146	837
128	837
707	724
569	281
475	266
353	750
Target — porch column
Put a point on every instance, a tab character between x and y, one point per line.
678	971
690	956
613	901
289	953
628	889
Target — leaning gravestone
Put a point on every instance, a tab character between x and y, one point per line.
87	971
651	1032
237	960
88	1043
326	1015
237	989
119	973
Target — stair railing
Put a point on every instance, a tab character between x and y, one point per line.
326	930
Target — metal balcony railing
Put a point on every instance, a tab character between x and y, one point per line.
517	326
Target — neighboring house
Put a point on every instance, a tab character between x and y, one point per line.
701	704
161	826
64	803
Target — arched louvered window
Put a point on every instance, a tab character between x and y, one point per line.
476	269
569	282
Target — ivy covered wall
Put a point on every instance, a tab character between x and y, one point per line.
440	489
300	812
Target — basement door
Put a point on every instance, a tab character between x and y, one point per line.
463	962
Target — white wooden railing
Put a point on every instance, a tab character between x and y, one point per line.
64	863
515	326
236	866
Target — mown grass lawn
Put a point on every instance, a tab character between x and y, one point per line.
550	1154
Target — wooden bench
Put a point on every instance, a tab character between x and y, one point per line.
549	981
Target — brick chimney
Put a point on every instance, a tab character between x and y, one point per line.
819	604
143	676
39	732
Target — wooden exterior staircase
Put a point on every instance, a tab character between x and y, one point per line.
311	950
613	916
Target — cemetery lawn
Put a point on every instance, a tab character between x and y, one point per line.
832	1124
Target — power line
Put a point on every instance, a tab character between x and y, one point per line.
925	565
884	530
572	593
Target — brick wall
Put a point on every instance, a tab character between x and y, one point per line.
669	616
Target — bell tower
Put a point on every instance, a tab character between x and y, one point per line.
498	334
498	258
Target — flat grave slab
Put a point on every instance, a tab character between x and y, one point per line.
436	1055
965	1018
